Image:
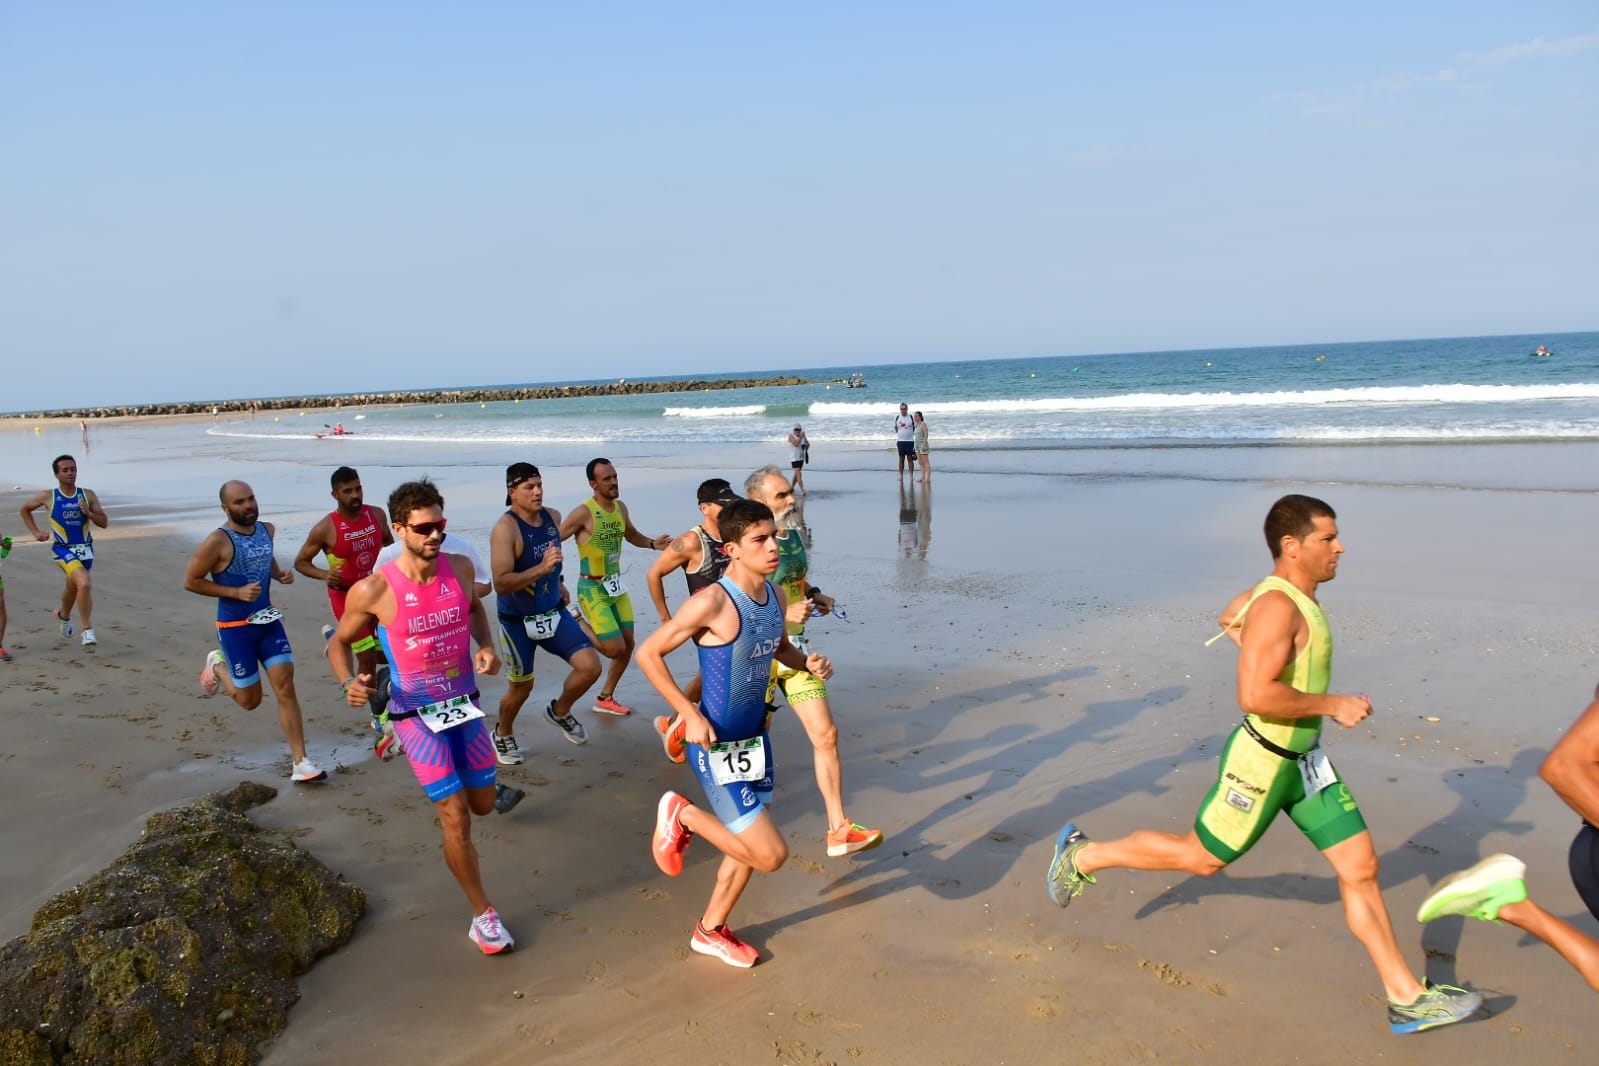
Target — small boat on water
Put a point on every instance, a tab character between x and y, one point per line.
856	380
1541	352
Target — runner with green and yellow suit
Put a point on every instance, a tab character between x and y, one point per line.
601	524
1273	762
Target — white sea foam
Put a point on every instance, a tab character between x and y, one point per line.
714	412
1170	401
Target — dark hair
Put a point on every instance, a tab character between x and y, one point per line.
413	496
738	516
342	476
588	471
1293	516
55	464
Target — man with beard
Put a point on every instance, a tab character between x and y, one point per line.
426	610
600	524
806	693
350	537
234	564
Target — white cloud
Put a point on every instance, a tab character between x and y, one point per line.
1537	48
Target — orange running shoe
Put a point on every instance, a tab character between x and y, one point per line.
723	944
609	705
849	838
671	730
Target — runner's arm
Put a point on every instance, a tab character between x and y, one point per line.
33	503
1266	648
205	561
486	660
695	617
1572	768
316	541
577	521
1229	621
792	657
383	524
504	548
677	556
281	574
95	512
360	612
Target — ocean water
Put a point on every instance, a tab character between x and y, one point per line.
1464	389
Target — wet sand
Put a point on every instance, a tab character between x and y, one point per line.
1023	650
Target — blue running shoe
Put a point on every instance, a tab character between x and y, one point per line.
1064	882
1437	1005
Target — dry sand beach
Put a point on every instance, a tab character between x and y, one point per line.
1026	647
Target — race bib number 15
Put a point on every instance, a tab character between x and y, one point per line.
738	760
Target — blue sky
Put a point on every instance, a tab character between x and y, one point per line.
213	201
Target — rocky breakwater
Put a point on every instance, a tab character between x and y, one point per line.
183	950
374	399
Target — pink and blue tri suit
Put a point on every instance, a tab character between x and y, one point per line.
734	678
429	648
245	643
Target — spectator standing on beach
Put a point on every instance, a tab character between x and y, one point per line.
72	510
1273	762
234	565
600	525
430	598
905	438
920	440
525	553
799	453
1496	888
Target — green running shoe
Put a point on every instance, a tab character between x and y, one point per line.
1478	892
1065	883
1437	1005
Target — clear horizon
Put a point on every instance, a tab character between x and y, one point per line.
305	201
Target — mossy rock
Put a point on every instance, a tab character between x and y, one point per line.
184	949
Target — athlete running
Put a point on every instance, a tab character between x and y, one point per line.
737	628
5	550
805	692
234	564
600	524
350	538
525	553
72	510
1273	762
698	553
1496	888
425	609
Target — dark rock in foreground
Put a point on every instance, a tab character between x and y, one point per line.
428	396
184	950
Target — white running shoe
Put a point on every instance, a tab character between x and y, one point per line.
305	770
88	638
487	933
209	682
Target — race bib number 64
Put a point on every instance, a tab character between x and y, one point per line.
738	760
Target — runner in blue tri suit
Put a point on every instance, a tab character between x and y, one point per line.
525	558
72	510
737	626
235	565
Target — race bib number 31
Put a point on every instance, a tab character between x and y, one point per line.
738	760
447	715
542	626
612	584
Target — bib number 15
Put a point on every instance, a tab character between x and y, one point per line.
738	760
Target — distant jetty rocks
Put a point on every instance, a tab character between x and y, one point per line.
433	396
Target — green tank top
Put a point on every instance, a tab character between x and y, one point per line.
601	554
792	568
1309	671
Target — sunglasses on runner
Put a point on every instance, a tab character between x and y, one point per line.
427	529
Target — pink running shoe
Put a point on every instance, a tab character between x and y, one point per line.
208	675
723	944
608	705
670	839
487	933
